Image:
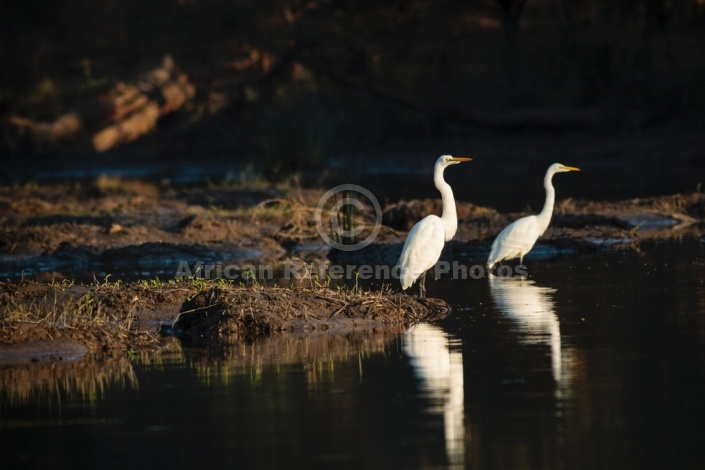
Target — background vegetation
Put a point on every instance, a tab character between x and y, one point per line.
292	81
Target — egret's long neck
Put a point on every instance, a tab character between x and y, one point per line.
449	216
545	215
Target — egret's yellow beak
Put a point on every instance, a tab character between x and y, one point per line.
460	159
569	168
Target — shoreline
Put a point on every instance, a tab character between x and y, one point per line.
132	229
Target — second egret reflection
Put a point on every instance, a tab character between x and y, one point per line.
533	310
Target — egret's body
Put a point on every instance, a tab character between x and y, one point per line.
519	237
426	239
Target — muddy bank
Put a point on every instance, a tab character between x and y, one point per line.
132	229
56	322
576	227
231	314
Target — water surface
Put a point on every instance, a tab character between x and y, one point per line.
596	361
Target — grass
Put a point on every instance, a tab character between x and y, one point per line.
90	314
102	315
105	316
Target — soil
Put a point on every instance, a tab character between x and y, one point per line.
52	322
130	229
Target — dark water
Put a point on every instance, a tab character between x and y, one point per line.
498	177
594	362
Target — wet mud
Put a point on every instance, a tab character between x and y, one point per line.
57	322
234	314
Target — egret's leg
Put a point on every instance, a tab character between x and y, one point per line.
521	260
422	285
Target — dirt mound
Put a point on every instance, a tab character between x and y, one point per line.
403	215
40	320
232	314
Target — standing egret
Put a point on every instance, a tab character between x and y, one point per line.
425	241
518	238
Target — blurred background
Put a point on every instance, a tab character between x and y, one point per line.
359	91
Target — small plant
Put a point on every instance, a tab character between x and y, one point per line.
250	276
92	84
345	233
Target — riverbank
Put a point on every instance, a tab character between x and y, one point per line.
64	321
75	258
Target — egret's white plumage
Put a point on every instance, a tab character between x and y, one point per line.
425	241
518	238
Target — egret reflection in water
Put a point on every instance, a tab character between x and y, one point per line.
533	310
439	367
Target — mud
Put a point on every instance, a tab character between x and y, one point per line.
130	229
55	322
233	314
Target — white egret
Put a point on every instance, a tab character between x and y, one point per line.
518	238
425	241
